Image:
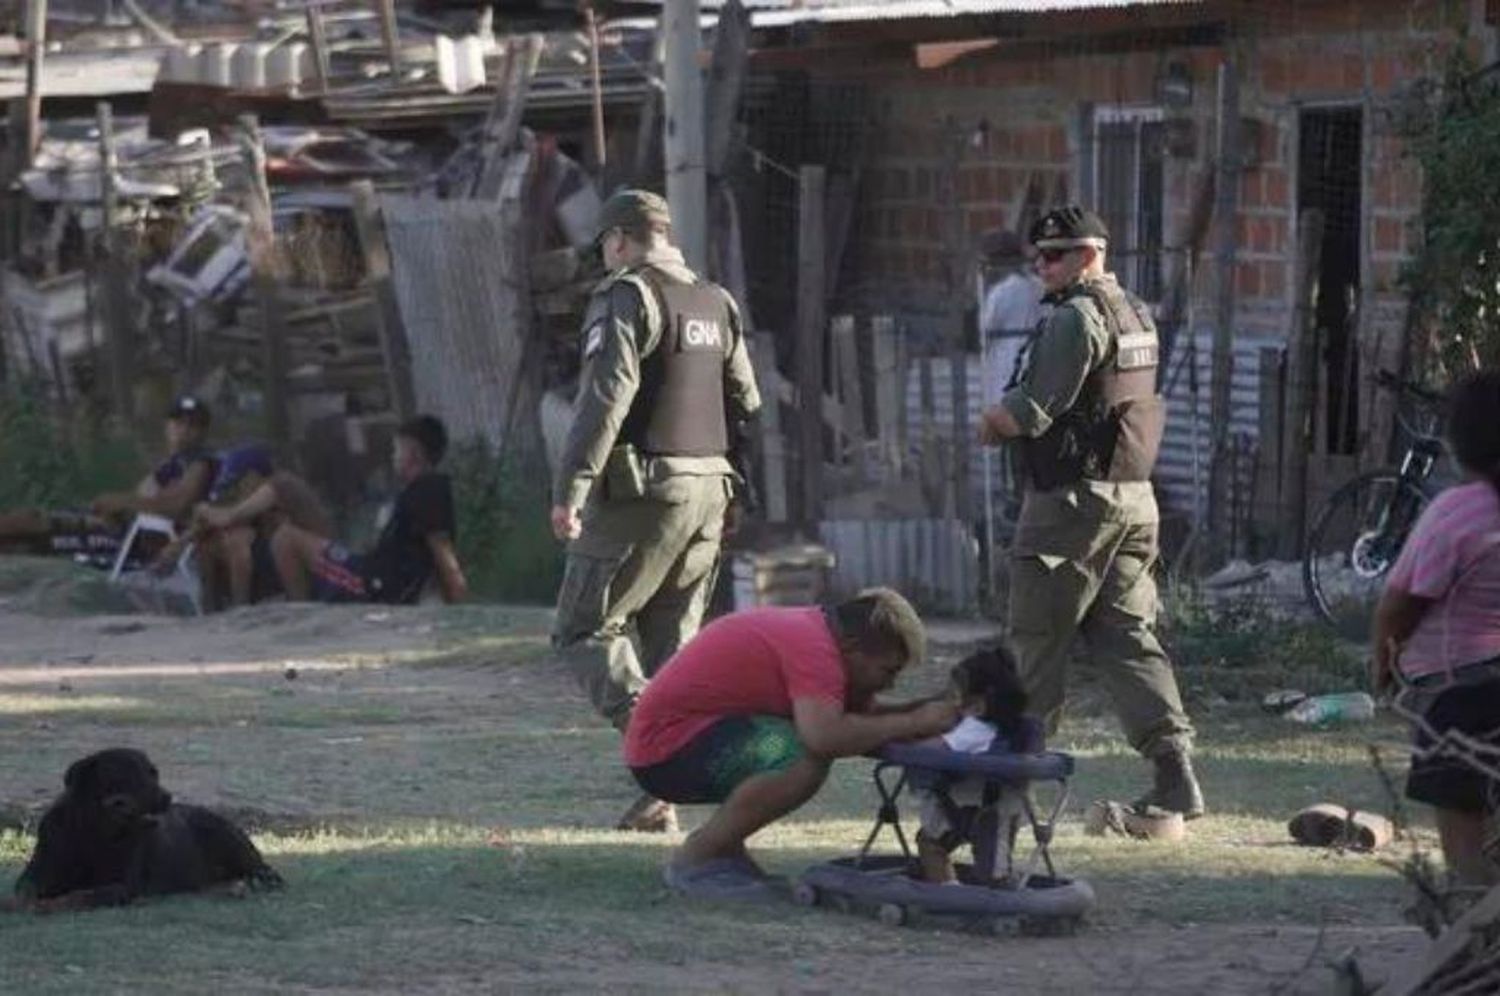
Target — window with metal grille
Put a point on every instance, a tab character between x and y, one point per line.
1128	153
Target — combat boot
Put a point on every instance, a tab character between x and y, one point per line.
649	814
1176	787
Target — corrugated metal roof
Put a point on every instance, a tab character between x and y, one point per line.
779	13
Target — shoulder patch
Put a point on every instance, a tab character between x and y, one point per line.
593	338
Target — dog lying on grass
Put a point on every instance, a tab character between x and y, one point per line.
115	835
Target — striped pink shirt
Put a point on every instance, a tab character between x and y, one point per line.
1453	558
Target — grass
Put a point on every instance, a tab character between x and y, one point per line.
436	815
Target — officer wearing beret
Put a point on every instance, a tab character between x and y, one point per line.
646	479
1087	423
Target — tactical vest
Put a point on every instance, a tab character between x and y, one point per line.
679	408
1113	430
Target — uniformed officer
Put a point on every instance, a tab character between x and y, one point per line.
1087	422
645	480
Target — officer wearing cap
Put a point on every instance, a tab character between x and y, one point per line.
1087	423
645	480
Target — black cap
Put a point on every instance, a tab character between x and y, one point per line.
1069	227
189	409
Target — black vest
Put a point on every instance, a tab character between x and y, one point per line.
679	407
1113	431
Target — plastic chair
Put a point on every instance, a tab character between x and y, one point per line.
183	578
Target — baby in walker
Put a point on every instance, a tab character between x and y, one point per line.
993	704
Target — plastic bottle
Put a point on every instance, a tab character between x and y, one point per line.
1340	707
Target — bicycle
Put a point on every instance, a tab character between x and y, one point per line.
1359	531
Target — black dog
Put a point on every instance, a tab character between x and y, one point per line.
115	835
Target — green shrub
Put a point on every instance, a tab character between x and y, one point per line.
48	458
1241	647
505	540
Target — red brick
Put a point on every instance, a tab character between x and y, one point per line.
1385	70
1273	73
1353	72
1004	185
963	185
1247	279
1388	236
1273	280
1277	189
1057	145
1250	187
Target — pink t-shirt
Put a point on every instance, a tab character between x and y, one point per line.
755	662
1453	557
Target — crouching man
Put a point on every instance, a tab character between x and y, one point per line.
751	712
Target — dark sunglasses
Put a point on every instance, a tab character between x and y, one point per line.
1052	255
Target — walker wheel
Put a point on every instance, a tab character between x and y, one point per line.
805	894
892	914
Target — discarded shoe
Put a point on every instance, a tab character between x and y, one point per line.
1282	701
649	814
1106	818
1330	825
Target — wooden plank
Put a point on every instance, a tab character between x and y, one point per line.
890	393
120	328
683	136
1301	381
503	123
726	80
850	395
1267	504
811	287
1226	197
648	119
772	441
390	34
369	226
317	36
36	47
601	152
264	275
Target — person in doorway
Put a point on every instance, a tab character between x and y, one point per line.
752	711
1013	308
415	546
1437	634
647	475
170	490
1087	423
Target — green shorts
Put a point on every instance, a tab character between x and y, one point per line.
712	764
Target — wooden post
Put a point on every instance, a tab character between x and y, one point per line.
390	32
1301	385
318	37
687	179
772	442
946	192
648	120
36	47
264	272
1226	196
116	295
601	155
726	79
504	120
890	394
810	327
851	394
369	225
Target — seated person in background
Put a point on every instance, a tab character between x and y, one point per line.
170	490
416	542
1437	634
992	702
234	558
751	712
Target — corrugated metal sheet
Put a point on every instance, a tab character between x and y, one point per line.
933	562
832	11
458	283
1174	470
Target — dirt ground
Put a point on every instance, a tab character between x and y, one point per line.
437	745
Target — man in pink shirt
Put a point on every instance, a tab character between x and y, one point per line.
753	710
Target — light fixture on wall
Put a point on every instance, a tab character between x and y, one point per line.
1174	86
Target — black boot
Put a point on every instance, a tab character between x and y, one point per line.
1176	788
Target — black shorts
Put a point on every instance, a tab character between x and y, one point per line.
711	765
1446	781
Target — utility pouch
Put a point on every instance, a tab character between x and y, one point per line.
624	474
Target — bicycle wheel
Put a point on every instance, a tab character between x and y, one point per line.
1354	542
